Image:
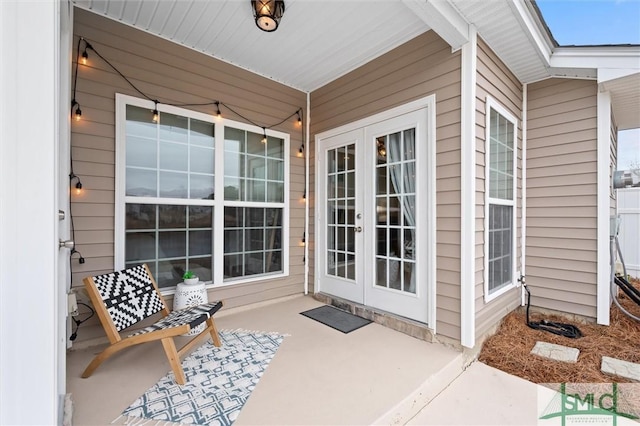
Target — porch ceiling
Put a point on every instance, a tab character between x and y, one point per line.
315	43
322	40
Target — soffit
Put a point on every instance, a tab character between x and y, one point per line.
625	100
500	25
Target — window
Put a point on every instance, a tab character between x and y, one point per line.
179	206
501	147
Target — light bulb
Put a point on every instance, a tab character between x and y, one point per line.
85	57
78	114
155	115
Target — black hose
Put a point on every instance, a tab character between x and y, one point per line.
561	329
629	290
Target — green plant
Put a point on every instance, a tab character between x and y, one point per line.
188	275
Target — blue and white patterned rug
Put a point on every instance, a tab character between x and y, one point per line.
219	382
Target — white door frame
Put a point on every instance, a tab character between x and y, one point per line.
33	372
428	102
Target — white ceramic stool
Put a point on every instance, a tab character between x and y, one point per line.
190	295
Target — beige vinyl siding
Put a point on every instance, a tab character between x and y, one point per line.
562	195
173	74
613	165
420	67
494	79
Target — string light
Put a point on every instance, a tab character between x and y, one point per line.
264	135
299	118
85	56
78	112
155	112
218	113
301	150
78	185
303	242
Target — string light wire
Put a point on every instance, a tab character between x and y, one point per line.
299	112
216	102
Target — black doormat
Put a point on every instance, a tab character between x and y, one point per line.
335	318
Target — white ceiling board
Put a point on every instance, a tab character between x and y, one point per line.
316	42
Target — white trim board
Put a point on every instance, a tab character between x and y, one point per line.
468	191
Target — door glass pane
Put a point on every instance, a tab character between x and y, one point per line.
340	193
396	211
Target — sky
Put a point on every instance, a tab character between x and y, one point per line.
588	22
598	22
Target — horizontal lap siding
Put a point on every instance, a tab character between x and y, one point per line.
420	67
561	195
494	79
173	74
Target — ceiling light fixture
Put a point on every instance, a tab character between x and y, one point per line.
267	13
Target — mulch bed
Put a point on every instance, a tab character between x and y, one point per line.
509	349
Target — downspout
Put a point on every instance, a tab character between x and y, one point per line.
523	221
306	194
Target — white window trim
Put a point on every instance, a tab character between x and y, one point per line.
219	204
489	105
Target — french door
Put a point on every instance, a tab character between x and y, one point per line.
342	236
373	215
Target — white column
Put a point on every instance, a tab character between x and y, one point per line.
468	191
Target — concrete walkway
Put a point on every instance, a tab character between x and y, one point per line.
483	395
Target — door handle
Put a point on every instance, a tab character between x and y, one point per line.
70	244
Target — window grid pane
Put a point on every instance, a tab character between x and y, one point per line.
253	170
170	239
254	245
173	158
500	220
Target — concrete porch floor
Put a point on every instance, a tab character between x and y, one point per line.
373	375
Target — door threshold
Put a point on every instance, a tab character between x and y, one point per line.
395	322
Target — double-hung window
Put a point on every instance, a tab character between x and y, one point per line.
200	194
500	200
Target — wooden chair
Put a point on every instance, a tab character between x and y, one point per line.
126	297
